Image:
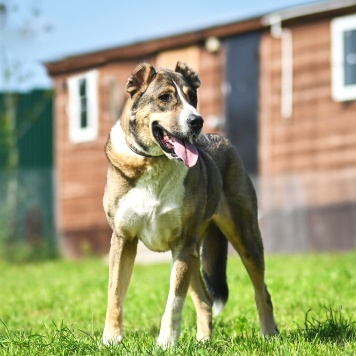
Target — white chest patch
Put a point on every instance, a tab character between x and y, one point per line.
152	210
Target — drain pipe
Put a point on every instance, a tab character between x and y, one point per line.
285	35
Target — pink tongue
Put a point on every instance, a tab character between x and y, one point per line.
186	151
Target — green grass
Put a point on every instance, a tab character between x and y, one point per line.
58	308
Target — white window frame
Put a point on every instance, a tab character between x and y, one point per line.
340	91
77	133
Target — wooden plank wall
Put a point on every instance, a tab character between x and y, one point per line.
316	147
210	94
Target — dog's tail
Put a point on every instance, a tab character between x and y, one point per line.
214	260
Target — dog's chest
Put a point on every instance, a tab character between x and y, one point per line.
152	211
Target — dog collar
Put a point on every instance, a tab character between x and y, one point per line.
139	152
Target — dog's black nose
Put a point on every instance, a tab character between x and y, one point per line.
195	122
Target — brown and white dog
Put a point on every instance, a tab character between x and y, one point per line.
176	189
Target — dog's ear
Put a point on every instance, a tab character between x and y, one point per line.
188	74
140	78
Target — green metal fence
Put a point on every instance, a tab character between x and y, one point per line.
26	187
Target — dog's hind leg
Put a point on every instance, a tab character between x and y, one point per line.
240	226
214	260
202	302
121	261
254	263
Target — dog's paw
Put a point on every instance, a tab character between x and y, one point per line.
110	337
167	339
202	337
271	330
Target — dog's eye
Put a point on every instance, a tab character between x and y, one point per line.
165	98
192	97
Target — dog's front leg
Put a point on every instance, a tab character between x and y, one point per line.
179	283
202	302
121	260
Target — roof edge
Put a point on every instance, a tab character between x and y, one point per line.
306	10
149	47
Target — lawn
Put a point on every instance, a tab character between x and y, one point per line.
58	308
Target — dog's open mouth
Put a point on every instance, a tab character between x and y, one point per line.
176	147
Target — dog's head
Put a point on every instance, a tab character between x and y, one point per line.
163	116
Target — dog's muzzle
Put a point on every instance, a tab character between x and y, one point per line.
195	123
176	147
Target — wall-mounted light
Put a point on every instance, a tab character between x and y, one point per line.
212	44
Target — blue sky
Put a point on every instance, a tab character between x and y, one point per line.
37	31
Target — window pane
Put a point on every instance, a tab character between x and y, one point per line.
350	57
83	103
82	87
83	112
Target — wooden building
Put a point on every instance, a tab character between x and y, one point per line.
282	87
